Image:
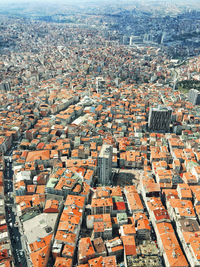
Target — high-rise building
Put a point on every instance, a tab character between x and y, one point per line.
159	119
126	40
5	87
135	40
105	164
194	96
100	84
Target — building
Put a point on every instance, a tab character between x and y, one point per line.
135	40
159	119
126	40
85	250
105	164
100	84
99	247
5	87
194	97
101	206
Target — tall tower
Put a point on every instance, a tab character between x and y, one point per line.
194	97
105	164
160	119
100	84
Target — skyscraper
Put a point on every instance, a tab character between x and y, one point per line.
105	164
159	119
100	84
194	97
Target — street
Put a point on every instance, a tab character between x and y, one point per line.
15	236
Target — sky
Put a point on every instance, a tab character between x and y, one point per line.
81	1
41	2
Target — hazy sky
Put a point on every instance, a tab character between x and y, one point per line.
43	1
81	1
182	2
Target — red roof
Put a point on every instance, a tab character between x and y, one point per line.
119	206
40	146
3	254
161	214
3	227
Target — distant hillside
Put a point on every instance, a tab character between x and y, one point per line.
185	86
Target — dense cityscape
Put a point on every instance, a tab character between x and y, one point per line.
100	134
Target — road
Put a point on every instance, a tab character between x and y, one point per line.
15	236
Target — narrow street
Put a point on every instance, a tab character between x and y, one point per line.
15	236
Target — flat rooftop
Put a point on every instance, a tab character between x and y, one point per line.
39	226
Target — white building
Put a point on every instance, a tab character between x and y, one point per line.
105	164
